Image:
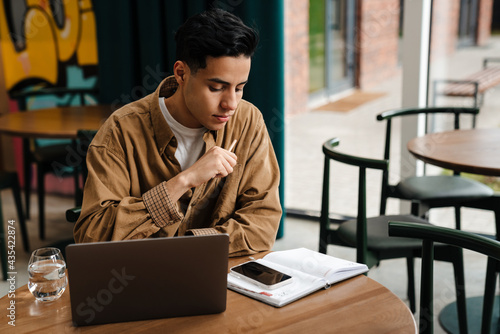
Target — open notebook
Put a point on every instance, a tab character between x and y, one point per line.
310	271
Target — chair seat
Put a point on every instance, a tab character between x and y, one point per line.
48	154
7	179
377	229
442	187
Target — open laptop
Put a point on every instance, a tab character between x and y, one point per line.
147	279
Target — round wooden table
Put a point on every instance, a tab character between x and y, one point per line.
475	151
357	305
57	122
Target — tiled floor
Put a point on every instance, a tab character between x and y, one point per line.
360	134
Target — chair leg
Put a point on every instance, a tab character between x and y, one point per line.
458	218
458	266
489	295
497	222
415	208
76	177
27	188
410	266
16	191
426	309
420	209
41	201
27	173
323	244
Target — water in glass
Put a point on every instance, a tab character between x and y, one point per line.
47	274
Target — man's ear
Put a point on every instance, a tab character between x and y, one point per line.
180	69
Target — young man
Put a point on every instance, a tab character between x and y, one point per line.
165	166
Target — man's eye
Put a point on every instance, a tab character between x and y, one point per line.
213	89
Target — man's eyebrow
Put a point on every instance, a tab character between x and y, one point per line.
220	81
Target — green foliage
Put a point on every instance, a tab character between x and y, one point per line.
491	181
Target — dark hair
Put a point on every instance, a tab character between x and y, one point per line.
214	33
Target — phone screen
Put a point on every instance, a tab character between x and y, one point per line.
261	273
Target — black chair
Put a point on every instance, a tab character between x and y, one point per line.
431	191
369	235
431	235
85	138
10	180
53	153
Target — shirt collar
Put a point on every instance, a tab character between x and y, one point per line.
163	133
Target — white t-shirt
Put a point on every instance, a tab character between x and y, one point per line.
190	144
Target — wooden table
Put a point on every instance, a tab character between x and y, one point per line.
475	151
358	305
58	122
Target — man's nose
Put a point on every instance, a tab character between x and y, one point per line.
230	101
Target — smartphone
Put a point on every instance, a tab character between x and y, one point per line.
261	275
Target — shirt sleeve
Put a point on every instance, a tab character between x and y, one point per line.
162	210
256	211
111	212
203	231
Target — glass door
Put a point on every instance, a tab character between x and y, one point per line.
467	25
340	40
331	46
317	47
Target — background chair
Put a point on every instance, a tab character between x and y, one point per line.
85	138
369	235
432	191
431	235
10	180
46	153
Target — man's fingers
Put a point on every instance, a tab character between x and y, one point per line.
217	162
229	156
225	170
225	156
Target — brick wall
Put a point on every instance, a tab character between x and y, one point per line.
296	56
445	17
377	41
445	21
485	13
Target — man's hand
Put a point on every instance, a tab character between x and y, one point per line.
217	162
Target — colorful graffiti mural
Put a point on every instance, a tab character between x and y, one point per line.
48	43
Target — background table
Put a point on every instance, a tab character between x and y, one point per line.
475	151
358	305
58	122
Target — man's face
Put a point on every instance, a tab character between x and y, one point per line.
212	93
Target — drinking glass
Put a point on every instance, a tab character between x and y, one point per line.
47	274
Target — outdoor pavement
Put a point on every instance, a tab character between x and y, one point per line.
360	134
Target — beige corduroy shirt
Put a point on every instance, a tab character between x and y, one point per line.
132	156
